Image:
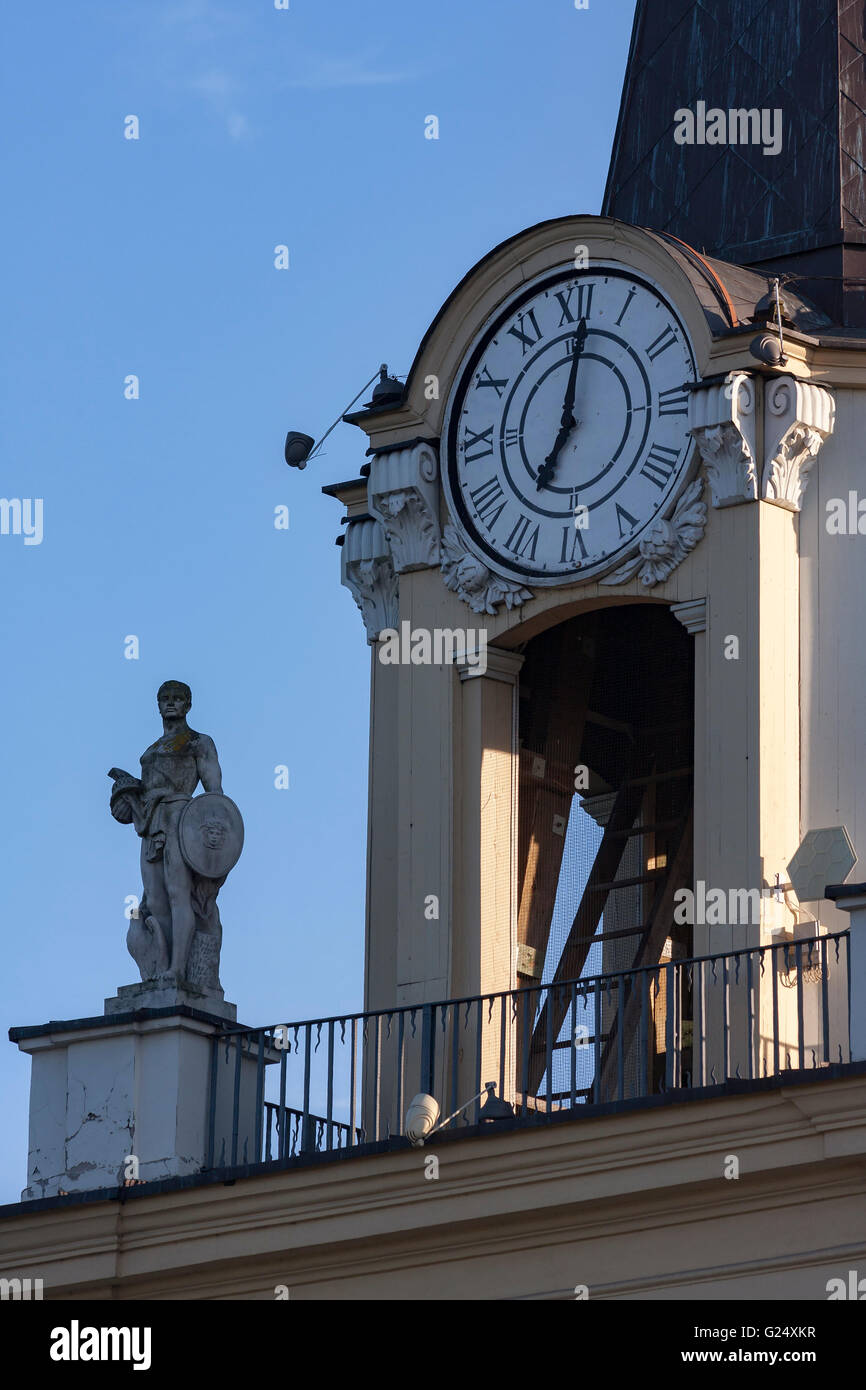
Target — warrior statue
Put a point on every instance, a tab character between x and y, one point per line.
188	846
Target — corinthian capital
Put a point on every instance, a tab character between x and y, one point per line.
368	574
722	419
403	493
798	417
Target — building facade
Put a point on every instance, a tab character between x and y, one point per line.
606	545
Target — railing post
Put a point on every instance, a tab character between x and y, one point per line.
211	1109
308	1130
851	898
428	1043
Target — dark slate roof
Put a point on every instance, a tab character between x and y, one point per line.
801	212
730	294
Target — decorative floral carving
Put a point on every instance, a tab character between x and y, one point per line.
404	495
667	543
411	528
731	468
374	588
478	586
786	473
722	419
799	416
369	576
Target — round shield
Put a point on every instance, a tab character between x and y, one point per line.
211	834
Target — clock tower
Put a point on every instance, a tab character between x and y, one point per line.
595	518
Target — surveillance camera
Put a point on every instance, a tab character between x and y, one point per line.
421	1117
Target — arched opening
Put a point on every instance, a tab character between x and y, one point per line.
605	839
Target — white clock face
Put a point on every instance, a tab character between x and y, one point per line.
566	434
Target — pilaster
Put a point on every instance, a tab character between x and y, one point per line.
484	939
758	440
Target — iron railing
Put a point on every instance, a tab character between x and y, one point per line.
323	1085
289	1132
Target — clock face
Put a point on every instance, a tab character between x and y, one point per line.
566	433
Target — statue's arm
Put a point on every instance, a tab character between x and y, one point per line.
208	766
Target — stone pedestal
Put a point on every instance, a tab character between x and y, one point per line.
135	1086
167	994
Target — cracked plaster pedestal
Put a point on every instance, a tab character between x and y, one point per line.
103	1089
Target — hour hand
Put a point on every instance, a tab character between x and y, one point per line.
545	472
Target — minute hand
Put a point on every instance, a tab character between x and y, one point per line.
567	422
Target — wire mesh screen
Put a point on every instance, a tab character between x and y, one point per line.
582	839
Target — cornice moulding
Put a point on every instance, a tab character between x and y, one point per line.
502	665
692	614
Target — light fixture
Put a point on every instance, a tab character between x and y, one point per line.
494	1108
423	1113
421	1116
300	448
769	348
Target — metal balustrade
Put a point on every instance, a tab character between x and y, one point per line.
335	1085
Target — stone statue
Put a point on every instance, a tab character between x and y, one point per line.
188	846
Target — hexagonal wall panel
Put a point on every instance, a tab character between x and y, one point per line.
825	856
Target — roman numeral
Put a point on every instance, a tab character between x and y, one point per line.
660	464
498	385
526	338
472	439
489	501
584	303
521	543
674	402
622	312
661	344
621	514
568	556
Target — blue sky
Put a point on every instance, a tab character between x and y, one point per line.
155	257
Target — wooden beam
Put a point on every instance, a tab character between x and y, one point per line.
648	952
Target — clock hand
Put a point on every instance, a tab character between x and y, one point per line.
567	421
579	341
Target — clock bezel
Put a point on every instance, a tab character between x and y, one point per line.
449	457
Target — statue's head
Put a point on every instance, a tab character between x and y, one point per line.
174	699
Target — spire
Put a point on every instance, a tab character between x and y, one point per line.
798	212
